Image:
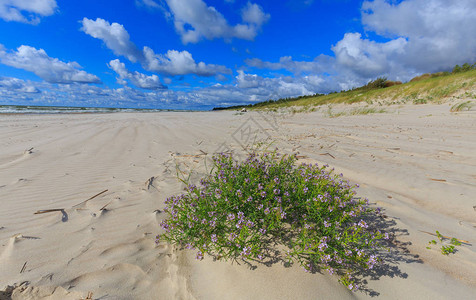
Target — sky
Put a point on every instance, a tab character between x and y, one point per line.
200	54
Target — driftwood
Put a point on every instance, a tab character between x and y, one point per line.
327	153
440	180
91	198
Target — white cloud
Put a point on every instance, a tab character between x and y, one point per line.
194	20
148	3
151	82
367	58
424	36
254	14
171	63
26	11
114	36
179	63
50	69
18	85
440	33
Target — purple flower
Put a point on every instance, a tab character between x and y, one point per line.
276	180
363	224
305	190
230	217
214	238
199	255
263	194
239	193
326	224
233	236
164	225
276	191
322	246
246	252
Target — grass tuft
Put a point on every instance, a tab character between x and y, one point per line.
462	106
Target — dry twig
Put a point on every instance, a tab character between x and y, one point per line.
44	211
23	268
91	198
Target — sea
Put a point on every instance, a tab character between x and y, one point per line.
23	109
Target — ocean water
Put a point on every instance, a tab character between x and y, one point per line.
22	109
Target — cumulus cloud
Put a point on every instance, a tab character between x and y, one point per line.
26	11
254	14
151	82
50	69
439	32
17	85
424	36
179	63
195	20
114	36
320	64
171	63
367	58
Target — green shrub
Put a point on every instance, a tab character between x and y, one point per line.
242	209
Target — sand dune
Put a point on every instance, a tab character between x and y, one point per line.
417	162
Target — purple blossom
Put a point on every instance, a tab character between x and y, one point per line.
363	224
246	252
199	255
214	238
233	236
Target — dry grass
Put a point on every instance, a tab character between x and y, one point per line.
425	90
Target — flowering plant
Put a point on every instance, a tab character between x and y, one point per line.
242	206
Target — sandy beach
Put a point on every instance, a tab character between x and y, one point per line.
417	162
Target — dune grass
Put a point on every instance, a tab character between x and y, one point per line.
467	105
427	89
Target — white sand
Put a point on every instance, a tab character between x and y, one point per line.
417	162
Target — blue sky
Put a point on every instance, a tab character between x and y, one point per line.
199	54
